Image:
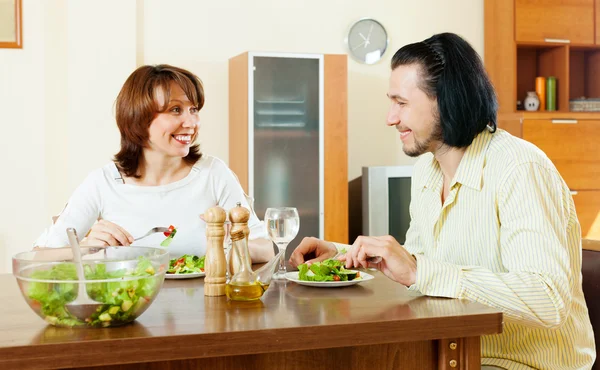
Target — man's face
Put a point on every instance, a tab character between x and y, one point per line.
412	112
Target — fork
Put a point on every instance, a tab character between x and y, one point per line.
153	231
370	259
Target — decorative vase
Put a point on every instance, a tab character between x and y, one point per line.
532	102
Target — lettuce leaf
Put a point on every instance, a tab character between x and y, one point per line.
169	239
326	270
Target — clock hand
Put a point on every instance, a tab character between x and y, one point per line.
370	30
357	46
363	37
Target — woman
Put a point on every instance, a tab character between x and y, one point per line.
159	177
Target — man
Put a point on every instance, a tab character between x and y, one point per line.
492	220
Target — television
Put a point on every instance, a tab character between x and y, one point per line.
386	200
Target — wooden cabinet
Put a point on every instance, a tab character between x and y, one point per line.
288	137
555	21
587	204
597	18
513	123
573	147
500	51
525	39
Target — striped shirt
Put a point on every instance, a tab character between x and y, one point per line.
506	236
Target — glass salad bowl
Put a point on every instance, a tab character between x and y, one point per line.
122	282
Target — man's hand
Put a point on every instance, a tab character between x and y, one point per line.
312	250
396	263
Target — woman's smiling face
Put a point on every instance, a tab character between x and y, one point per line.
173	131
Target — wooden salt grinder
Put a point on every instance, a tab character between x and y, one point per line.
215	264
239	217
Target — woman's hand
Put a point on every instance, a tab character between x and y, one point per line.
106	233
396	263
312	250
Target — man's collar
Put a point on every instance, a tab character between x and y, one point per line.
470	169
432	174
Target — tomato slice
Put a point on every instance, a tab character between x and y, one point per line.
170	231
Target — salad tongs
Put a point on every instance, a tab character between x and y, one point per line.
83	306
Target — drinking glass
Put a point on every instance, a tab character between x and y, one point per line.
283	224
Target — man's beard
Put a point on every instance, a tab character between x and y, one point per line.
424	146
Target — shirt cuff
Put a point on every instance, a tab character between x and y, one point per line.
341	248
437	278
257	231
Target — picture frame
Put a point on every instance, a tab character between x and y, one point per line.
11	24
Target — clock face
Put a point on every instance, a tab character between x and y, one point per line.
367	41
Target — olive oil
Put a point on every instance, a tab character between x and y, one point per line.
245	291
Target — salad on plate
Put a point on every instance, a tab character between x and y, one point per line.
327	270
329	273
186	266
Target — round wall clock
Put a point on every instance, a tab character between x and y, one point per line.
367	41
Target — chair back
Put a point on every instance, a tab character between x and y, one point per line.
590	268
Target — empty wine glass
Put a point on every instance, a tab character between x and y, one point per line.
282	226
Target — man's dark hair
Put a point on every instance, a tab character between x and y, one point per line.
452	72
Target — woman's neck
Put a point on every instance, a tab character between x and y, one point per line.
156	169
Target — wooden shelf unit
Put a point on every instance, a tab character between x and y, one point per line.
529	38
584	71
543	60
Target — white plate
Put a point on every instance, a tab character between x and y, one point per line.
184	276
293	276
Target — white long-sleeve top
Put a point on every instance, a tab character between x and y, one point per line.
137	209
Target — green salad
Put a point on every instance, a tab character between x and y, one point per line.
186	264
122	299
327	270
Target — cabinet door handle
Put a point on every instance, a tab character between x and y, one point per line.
558	41
565	121
574	192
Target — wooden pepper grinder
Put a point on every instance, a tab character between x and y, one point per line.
215	265
239	217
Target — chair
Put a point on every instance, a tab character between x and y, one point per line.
590	268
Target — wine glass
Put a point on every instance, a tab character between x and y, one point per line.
283	224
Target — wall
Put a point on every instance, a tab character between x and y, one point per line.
23	126
57	93
56	108
204	37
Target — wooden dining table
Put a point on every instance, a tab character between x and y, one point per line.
377	324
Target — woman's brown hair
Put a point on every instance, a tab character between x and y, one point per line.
137	106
